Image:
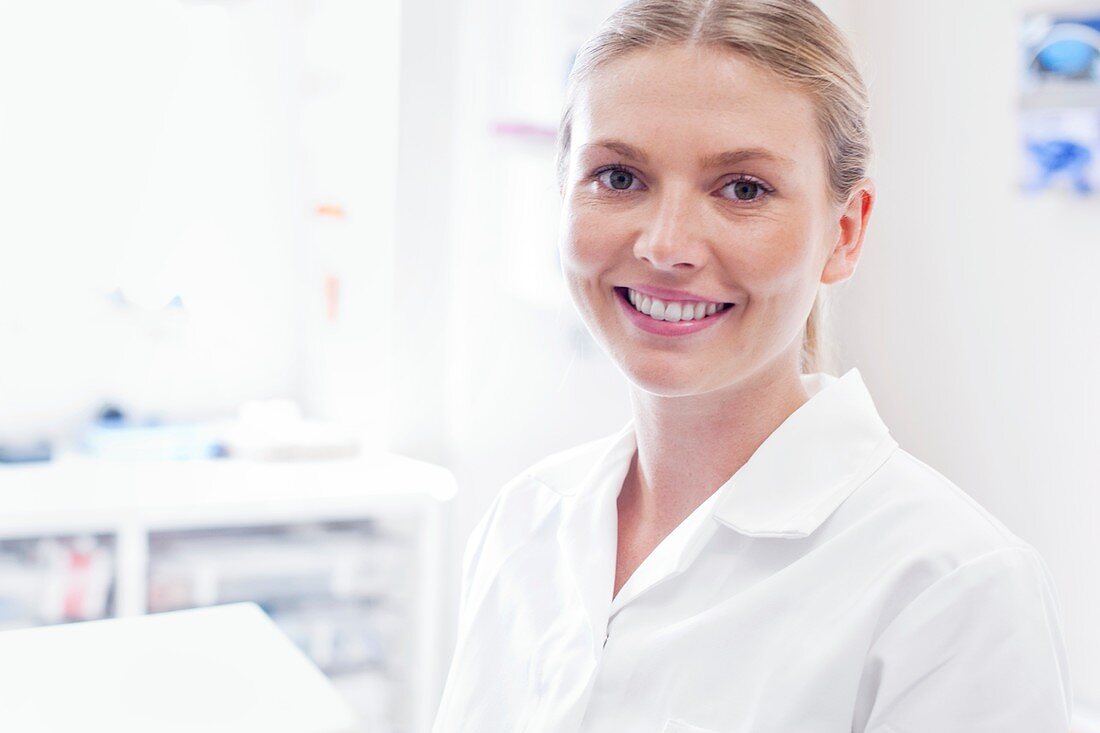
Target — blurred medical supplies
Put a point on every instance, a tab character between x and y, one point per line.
25	452
1060	102
276	430
114	435
267	430
330	587
46	580
222	669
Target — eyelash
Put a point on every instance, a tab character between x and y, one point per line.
741	178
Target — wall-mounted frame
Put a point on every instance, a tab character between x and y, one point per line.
1060	101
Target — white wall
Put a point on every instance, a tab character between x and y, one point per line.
180	148
972	315
425	235
143	146
348	116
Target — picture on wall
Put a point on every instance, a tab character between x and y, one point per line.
1060	102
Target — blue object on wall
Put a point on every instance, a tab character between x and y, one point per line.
1062	157
1069	57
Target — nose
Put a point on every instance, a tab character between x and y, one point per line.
672	237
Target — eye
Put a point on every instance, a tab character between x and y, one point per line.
747	189
619	180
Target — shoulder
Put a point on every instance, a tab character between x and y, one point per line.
529	496
558	474
922	509
565	470
942	558
928	534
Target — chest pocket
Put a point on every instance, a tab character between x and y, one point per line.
679	726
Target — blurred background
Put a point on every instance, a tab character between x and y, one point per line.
280	306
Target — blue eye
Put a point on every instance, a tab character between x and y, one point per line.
618	180
746	190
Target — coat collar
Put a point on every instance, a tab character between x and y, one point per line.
797	477
810	464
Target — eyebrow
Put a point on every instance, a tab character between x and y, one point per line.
717	160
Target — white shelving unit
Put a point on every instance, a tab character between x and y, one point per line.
156	517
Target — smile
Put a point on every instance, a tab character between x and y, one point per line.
673	311
670	318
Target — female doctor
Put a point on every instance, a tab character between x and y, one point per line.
752	552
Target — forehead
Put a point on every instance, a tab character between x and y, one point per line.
697	101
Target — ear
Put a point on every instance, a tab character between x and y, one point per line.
854	217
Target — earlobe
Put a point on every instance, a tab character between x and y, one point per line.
854	217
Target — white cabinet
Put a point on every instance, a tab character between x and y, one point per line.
345	555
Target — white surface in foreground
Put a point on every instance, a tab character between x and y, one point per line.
225	668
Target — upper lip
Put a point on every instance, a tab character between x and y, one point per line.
669	294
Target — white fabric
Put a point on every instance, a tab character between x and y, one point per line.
834	584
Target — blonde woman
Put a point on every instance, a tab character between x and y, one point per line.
752	552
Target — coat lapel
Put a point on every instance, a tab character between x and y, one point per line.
588	534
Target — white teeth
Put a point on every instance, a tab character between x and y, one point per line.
672	311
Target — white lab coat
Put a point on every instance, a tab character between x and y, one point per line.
834	584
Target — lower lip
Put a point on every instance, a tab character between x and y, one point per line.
667	328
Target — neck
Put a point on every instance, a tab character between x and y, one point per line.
689	446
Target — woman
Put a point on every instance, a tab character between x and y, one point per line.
752	551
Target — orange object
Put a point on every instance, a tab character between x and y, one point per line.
333	210
332	297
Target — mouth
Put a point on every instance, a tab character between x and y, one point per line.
670	311
654	317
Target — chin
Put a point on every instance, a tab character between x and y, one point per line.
665	380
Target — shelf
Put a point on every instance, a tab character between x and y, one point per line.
85	493
346	554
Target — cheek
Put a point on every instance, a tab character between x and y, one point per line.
586	244
775	260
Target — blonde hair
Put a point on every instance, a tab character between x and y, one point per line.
793	38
